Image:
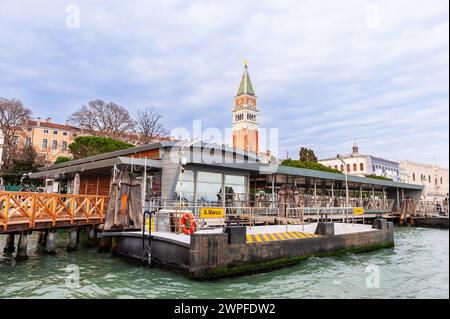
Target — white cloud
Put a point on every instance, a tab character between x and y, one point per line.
324	72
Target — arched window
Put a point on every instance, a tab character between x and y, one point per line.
348	167
355	167
429	178
342	168
361	166
441	180
335	167
414	177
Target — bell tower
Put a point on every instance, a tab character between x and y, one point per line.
245	116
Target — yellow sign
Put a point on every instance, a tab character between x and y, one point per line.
147	223
358	211
212	212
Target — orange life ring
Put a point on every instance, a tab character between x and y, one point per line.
189	227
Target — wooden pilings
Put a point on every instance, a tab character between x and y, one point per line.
9	245
17	244
73	240
105	245
50	242
22	246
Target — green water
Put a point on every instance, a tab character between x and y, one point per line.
417	267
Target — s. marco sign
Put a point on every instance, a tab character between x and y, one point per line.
212	212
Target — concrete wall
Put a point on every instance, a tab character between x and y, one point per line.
164	252
210	255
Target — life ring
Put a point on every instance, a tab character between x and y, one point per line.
188	224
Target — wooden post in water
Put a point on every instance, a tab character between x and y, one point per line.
9	245
50	242
105	245
73	240
22	246
114	245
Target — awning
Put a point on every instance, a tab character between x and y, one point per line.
79	168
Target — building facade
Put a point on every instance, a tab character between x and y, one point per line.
245	116
432	177
363	165
50	140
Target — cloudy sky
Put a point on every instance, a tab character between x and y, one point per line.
327	73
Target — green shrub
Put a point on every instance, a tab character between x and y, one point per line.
85	146
62	159
379	177
309	165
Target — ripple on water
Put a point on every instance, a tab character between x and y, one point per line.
417	267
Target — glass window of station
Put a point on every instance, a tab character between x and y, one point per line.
209	188
212	188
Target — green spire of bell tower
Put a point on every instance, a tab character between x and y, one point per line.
246	85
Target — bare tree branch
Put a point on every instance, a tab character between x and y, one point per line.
12	115
103	119
149	126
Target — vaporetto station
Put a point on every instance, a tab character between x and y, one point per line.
230	214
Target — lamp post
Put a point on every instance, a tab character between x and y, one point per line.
183	161
346	186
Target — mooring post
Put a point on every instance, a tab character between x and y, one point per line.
39	237
50	242
22	246
105	245
324	229
73	240
114	245
91	234
9	245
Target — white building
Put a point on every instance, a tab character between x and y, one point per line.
363	165
433	177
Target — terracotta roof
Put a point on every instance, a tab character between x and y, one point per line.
52	125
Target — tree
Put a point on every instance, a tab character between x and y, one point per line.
103	119
62	159
149	126
309	165
85	146
307	155
26	160
12	115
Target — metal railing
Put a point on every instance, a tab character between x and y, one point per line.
31	208
431	208
264	213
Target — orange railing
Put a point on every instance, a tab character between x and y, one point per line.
25	207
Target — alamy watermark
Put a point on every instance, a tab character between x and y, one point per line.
374	18
373	277
212	145
73	276
72	16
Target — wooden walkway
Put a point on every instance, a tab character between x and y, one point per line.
23	211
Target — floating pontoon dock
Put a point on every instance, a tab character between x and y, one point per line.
209	254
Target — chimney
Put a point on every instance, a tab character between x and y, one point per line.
48	120
38	120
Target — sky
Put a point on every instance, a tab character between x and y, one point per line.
326	73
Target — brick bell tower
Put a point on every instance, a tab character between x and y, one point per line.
245	116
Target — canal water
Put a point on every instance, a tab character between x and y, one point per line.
417	267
